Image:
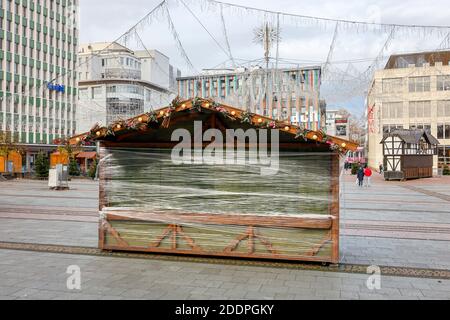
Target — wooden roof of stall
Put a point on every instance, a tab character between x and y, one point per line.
157	127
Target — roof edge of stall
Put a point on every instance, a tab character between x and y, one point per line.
98	133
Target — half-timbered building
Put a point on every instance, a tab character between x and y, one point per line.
408	154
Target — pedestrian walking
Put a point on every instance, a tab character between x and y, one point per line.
367	176
360	176
381	169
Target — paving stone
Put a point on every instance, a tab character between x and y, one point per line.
208	284
111	298
411	292
260	296
40	295
6	291
285	296
134	293
199	297
228	285
302	297
24	293
349	295
297	284
216	292
308	291
436	294
273	289
373	296
327	294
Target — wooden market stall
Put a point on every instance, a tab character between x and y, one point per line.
85	160
408	154
58	157
12	163
151	203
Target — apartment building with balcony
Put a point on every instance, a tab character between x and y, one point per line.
412	92
116	82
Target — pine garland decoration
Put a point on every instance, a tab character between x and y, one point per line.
175	103
110	131
197	104
302	133
246	117
152	118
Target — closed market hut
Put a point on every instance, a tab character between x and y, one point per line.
85	160
408	154
174	181
11	162
58	157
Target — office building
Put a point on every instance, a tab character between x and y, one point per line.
292	95
38	56
116	82
412	92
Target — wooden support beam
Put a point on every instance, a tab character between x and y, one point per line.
107	226
161	238
181	218
335	207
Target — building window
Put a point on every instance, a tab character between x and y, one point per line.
392	110
96	92
111	89
443	131
420	109
392	127
443	83
421	126
444	155
82	93
443	108
394	85
419	84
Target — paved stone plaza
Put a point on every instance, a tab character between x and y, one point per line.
391	224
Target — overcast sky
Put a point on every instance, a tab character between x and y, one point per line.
106	20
